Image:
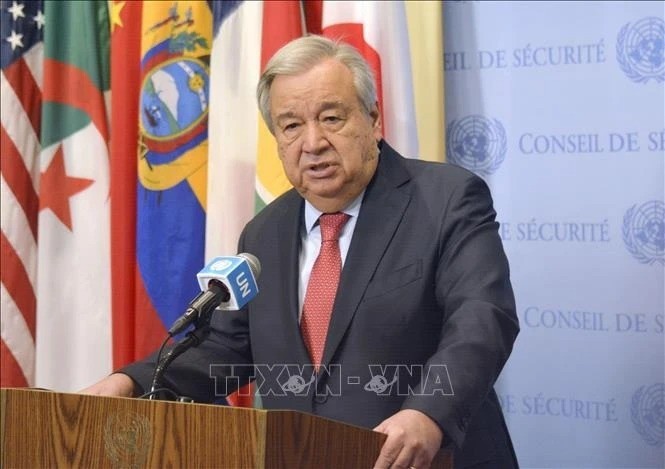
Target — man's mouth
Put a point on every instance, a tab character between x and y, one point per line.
321	170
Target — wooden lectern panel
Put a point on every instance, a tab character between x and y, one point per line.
317	442
48	429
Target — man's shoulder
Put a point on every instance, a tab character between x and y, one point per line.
437	169
438	176
284	205
426	171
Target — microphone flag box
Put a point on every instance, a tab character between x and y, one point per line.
235	273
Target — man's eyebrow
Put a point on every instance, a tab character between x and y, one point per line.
285	115
323	106
326	105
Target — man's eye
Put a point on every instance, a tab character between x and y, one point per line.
331	119
290	126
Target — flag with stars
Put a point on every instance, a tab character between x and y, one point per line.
22	25
73	329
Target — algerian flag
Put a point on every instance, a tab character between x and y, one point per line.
73	338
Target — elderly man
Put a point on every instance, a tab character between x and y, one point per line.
384	279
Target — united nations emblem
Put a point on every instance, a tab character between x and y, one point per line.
647	411
220	265
127	439
644	232
476	143
640	50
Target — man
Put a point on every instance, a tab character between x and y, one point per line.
412	340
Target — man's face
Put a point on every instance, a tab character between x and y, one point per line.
327	143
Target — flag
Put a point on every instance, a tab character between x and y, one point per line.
379	31
425	21
73	346
172	159
245	172
137	330
234	121
282	22
20	87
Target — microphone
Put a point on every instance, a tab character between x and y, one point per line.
227	283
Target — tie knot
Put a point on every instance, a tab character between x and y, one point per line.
331	225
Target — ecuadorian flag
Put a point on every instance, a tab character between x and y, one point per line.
172	152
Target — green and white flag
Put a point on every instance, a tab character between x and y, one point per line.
73	336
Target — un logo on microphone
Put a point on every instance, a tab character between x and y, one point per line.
220	265
476	143
647	411
641	50
644	232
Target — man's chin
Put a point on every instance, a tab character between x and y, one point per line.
323	189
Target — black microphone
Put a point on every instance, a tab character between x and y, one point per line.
227	282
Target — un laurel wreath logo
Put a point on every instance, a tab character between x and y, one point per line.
647	411
641	51
476	143
127	439
644	232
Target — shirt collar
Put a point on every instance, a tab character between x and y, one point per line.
312	214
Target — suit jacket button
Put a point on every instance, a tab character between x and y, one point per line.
321	398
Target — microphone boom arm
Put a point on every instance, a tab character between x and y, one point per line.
193	338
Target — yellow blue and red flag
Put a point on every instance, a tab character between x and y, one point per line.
172	152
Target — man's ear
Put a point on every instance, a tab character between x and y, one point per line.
377	123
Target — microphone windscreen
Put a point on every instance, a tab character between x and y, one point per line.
254	263
237	273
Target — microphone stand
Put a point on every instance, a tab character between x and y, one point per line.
193	338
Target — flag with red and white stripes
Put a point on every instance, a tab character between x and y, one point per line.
55	271
22	53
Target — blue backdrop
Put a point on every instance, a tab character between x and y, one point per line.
560	107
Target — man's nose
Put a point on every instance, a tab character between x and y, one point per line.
314	139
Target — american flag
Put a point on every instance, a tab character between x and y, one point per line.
21	35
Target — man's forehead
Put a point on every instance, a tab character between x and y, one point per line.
326	85
324	72
298	108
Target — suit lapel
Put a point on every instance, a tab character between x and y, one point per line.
383	207
288	259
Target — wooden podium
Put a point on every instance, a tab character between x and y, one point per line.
48	429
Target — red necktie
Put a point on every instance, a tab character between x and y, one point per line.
322	286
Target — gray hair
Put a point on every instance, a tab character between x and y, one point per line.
302	54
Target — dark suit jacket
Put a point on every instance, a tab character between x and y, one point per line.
424	316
